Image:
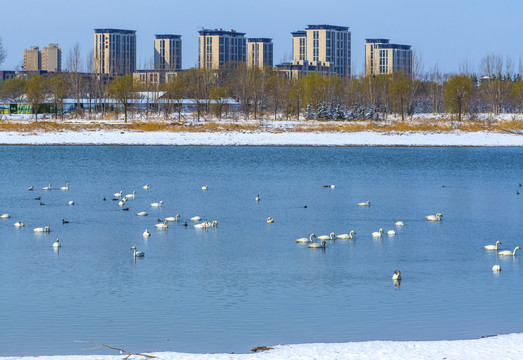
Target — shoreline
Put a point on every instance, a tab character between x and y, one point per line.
260	138
507	346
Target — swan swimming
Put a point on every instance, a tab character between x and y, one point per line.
496	268
436	217
305	240
146	233
346	236
377	233
391	233
397	275
195	218
317	246
204	187
257	198
130	196
162	225
57	244
19	224
45	229
137	253
122	202
508	252
493	247
66	187
326	237
4	216
47	187
71	202
366	203
146	186
141	213
398	223
31	188
157	204
270	220
171	218
118	194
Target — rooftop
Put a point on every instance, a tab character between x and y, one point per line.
220	32
330	27
264	40
168	36
115	31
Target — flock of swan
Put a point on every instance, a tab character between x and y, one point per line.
161	224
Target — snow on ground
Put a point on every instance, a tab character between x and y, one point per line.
240	138
506	347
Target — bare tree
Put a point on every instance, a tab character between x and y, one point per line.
495	81
3	52
74	69
435	89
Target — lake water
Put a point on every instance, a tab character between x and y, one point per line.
247	283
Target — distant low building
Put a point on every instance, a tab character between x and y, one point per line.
381	57
153	77
296	70
7	74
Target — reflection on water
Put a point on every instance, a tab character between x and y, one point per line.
248	283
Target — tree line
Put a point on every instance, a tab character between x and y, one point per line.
265	92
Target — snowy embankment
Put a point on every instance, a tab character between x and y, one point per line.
507	347
259	138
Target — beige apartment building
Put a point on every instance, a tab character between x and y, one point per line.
323	46
153	78
217	47
52	58
168	52
114	51
260	52
381	57
32	59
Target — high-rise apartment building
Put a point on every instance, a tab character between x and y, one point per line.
217	47
324	46
114	51
32	59
52	58
168	52
381	57
260	52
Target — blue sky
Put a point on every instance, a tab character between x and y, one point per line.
445	32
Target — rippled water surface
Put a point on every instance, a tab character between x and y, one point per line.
247	283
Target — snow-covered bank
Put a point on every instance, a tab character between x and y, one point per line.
505	347
233	138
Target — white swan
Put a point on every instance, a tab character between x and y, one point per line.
141	213
146	233
326	237
45	229
122	202
31	188
366	203
130	195
204	187
305	240
346	236
195	218
118	194
257	198
391	233
398	223
493	247
171	218
162	225
137	253
146	186
19	224
508	252
66	187
203	225
397	275
214	223
158	204
5	216
317	246
496	268
71	202
270	220
377	233
47	187
57	244
436	217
